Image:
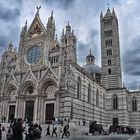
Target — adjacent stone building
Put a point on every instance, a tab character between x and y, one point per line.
43	80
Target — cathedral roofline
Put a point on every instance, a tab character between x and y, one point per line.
86	73
108	13
119	88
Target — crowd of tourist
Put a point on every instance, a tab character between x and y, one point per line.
63	130
19	127
21	130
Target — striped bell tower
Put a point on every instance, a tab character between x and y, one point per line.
111	76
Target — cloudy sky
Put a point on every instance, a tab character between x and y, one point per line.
83	16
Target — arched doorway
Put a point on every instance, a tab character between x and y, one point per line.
49	91
29	106
12	105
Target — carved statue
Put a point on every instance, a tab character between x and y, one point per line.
38	8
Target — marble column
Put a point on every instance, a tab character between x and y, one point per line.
36	110
57	106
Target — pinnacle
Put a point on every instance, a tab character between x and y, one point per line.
52	13
10	44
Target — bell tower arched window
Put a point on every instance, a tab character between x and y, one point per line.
134	104
79	88
115	102
89	93
97	97
104	100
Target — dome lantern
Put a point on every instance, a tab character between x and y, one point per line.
90	58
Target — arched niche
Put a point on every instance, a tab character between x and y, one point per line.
49	88
12	94
28	88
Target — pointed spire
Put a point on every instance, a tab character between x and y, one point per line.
63	32
10	44
73	32
101	15
52	13
113	12
68	23
25	27
26	22
68	27
10	47
108	13
90	51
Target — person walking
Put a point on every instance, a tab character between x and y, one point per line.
37	132
68	133
31	132
54	130
27	132
65	132
10	133
61	129
48	130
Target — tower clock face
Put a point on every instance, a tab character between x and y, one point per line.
34	54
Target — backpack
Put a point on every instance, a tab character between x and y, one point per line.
37	133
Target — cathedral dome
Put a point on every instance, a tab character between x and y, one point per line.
90	66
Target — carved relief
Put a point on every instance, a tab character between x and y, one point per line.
35	30
50	90
13	95
12	57
69	77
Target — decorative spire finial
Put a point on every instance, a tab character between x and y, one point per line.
108	4
90	51
101	15
63	32
25	27
26	22
52	13
72	32
10	44
38	8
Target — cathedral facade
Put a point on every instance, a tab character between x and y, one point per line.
43	80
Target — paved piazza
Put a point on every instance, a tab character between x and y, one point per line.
110	137
77	134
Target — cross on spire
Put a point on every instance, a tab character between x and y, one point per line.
108	4
90	51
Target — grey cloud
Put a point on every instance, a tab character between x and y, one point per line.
9	21
3	40
83	48
8	14
131	58
60	3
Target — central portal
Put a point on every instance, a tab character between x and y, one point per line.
29	110
49	113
